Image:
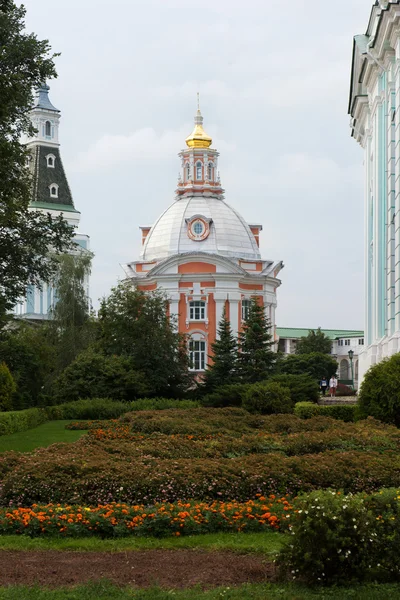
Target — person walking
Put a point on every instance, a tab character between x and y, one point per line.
323	385
333	385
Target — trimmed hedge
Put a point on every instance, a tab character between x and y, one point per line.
21	420
342	412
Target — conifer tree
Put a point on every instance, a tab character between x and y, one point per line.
256	358
223	370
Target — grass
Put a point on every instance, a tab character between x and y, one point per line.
39	437
106	591
264	543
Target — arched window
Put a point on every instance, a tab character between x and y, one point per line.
53	190
47	129
187	172
51	161
197	355
210	171
197	310
199	174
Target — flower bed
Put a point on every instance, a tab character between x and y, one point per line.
162	519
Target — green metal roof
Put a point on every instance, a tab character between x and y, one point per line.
333	334
51	206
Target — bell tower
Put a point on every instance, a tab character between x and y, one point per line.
199	163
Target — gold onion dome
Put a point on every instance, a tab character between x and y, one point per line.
198	138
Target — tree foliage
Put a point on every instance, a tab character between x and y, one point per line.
7	388
71	322
137	325
256	358
316	364
379	395
315	341
28	239
223	369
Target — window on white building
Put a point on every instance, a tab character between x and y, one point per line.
347	342
54	190
199	174
361	342
210	171
197	310
245	309
187	171
47	129
197	355
340	342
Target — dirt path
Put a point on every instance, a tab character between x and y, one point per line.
166	568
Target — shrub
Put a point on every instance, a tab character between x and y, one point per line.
226	395
306	410
343	412
379	395
7	387
344	390
336	539
162	404
303	388
22	420
268	398
92	408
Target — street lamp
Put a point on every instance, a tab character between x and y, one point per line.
351	354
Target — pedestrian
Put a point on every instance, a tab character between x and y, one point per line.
323	385
333	385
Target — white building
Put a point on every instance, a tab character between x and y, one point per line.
51	194
343	341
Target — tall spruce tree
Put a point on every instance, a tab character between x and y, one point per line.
28	239
256	359
223	370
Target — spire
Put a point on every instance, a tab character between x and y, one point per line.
42	98
198	138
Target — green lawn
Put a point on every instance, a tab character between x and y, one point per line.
106	591
264	543
39	437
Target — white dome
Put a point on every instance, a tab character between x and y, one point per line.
229	235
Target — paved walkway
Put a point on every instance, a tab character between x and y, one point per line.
327	400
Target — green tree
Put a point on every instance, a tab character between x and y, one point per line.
256	359
315	341
223	369
71	322
136	324
28	239
268	398
29	352
7	388
94	375
316	364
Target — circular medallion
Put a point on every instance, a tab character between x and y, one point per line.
198	229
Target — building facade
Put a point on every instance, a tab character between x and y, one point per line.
203	254
51	194
343	341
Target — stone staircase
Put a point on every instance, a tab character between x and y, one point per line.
328	401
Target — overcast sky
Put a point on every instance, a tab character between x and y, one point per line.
273	79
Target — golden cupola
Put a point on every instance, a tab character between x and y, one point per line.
198	138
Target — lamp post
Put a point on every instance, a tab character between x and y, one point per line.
351	354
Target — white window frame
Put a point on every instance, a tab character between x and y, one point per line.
48	135
197	354
187	171
361	341
347	342
51	187
211	171
246	303
51	157
199	306
199	165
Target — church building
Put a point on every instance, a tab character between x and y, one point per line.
203	254
50	194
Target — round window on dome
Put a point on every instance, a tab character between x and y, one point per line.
198	227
